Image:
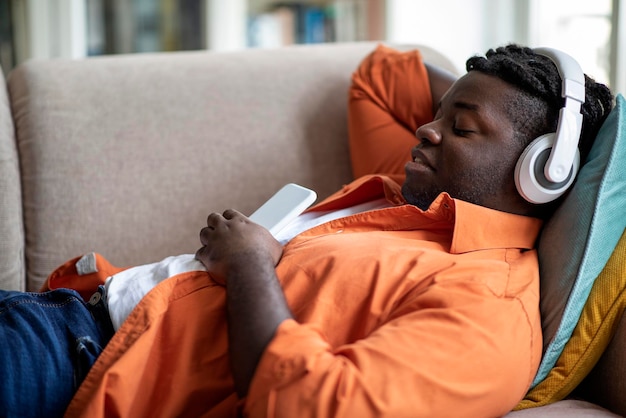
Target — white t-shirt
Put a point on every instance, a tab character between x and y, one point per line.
125	289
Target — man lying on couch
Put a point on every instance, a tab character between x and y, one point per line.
413	291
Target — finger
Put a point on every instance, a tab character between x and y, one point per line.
198	255
213	220
231	213
205	235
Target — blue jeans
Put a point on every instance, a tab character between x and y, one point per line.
48	343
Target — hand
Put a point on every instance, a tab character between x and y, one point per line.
231	241
242	255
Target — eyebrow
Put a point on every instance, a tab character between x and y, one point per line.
461	105
467	106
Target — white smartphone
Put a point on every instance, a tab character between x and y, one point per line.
289	202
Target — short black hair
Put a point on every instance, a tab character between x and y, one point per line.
536	111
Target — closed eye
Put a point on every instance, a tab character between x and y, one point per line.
461	132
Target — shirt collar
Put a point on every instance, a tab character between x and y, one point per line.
479	228
475	227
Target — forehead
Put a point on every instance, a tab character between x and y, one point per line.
488	94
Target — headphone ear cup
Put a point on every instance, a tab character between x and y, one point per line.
530	180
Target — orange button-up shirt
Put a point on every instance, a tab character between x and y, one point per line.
398	312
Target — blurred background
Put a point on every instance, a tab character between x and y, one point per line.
593	31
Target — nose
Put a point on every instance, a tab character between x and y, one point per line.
429	132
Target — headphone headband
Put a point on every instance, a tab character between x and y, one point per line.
572	76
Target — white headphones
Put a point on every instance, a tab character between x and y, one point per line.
548	166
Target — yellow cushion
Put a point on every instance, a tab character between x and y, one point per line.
598	322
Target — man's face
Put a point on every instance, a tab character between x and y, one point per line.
469	149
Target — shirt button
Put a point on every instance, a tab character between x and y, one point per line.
95	298
282	369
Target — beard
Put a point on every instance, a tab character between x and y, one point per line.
422	197
479	186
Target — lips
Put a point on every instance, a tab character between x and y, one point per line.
419	158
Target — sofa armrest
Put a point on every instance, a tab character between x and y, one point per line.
11	229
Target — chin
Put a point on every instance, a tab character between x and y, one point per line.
420	198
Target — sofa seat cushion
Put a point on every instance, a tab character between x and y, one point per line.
569	408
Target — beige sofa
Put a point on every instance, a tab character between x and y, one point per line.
127	155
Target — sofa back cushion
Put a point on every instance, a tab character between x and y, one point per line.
11	230
127	155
